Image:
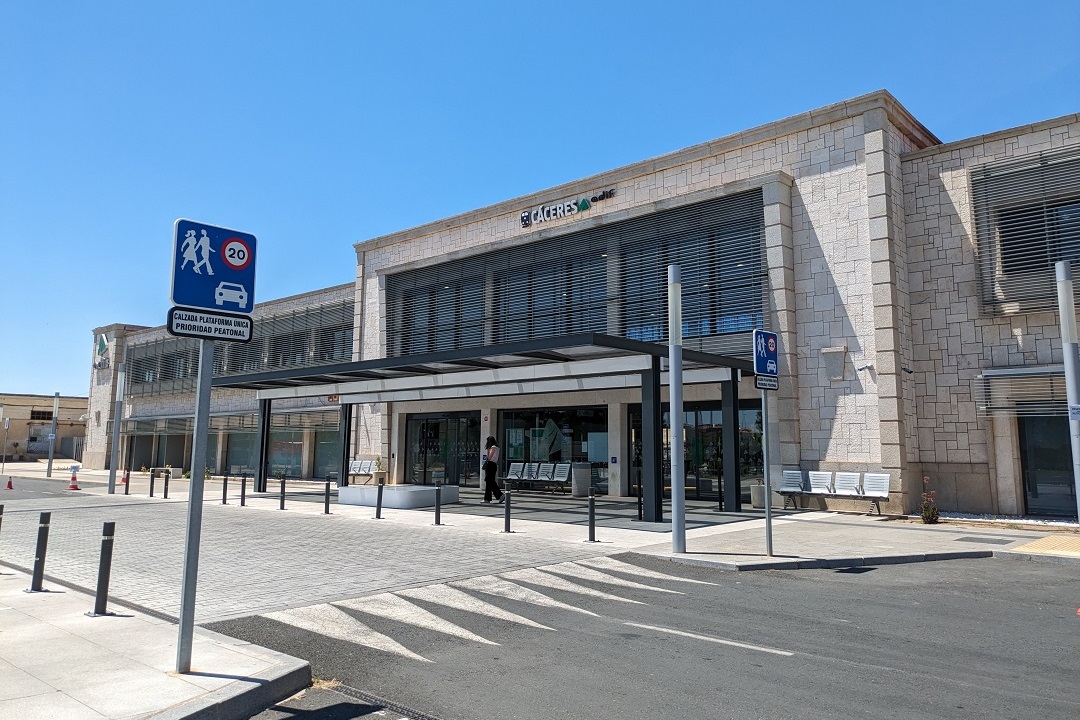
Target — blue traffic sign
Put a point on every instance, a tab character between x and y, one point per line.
213	268
766	352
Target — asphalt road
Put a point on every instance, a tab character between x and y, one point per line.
958	639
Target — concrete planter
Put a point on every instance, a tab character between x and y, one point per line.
404	497
757	498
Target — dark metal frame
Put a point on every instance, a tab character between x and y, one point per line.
540	351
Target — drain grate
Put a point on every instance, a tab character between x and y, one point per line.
987	540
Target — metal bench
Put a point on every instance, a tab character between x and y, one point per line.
873	487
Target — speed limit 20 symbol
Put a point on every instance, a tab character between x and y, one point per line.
772	345
236	253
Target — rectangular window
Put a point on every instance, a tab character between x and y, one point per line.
41	415
1027	218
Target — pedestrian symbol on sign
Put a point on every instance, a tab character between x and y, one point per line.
197	252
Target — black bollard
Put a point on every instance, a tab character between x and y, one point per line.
378	501
438	503
282	506
243	489
151	483
104	569
168	474
1	516
225	489
592	515
326	499
640	511
506	509
127	484
39	556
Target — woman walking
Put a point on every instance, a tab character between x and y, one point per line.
491	466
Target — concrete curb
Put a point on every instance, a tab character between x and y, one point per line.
286	678
1037	557
825	563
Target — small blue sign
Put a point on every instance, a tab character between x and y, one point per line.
213	268
766	352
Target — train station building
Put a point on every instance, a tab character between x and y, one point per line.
911	283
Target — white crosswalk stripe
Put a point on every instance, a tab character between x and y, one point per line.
458	600
396	608
537	577
583	573
504	588
333	622
607	563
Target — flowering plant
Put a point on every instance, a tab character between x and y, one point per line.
928	507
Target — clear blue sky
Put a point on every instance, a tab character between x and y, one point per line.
315	125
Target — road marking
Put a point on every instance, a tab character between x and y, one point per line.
732	643
607	563
396	608
458	600
536	577
335	623
504	588
583	573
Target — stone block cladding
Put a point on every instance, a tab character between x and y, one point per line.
840	299
952	341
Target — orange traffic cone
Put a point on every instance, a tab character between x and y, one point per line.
74	484
9	483
123	478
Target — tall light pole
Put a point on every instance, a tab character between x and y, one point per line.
52	433
1067	318
118	411
678	485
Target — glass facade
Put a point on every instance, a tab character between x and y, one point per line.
443	448
703	448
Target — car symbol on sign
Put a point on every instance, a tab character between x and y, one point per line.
770	366
231	292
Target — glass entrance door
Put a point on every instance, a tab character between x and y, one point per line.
443	448
1046	462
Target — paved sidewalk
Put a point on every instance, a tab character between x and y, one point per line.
55	661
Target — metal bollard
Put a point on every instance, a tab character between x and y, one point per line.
243	489
1	516
104	570
127	483
506	509
640	510
592	514
151	483
39	555
326	499
438	503
282	506
168	475
378	501
225	489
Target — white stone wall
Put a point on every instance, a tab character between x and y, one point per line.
951	341
836	416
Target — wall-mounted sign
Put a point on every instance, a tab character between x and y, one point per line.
563	209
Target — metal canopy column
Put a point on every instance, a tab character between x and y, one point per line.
345	435
732	497
262	447
652	475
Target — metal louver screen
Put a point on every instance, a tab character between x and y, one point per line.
1035	392
1027	218
608	279
312	336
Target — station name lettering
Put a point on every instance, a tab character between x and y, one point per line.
563	209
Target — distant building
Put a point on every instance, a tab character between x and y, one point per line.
30	423
911	284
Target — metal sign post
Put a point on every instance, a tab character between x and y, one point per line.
766	369
213	268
